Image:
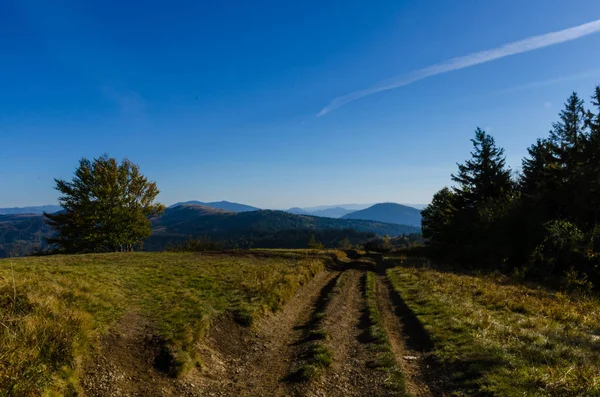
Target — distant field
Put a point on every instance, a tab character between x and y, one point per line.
501	338
54	309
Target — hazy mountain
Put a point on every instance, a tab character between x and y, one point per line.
417	206
390	213
353	207
335	212
30	210
297	211
194	220
222	205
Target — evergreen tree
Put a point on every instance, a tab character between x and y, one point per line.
568	189
591	168
569	134
485	176
107	207
536	173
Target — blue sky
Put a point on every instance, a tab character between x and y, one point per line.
219	100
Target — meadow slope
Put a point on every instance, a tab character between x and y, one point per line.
55	311
286	323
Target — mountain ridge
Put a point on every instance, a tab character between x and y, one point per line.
22	234
388	213
37	209
222	205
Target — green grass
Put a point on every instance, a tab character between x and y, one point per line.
383	356
502	338
54	309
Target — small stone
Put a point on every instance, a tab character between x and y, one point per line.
410	358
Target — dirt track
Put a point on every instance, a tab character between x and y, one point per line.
258	361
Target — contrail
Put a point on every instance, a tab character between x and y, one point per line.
517	47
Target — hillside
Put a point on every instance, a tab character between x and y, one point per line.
22	234
222	205
389	213
153	305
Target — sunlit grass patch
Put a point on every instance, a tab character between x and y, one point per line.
500	337
54	309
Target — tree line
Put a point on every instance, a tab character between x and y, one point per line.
543	222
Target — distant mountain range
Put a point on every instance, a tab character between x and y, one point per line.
189	219
22	234
343	210
30	210
328	211
388	213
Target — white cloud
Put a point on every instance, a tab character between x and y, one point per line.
517	47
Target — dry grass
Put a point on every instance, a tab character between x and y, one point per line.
53	309
503	338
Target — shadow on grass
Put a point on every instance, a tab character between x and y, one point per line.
308	353
461	376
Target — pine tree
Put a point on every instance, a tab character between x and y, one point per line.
591	156
485	176
568	185
107	207
569	134
535	179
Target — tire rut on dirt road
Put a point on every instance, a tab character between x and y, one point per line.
125	363
256	364
350	374
410	345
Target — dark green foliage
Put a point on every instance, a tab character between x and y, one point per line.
463	221
315	244
437	223
547	223
107	207
379	244
484	177
197	244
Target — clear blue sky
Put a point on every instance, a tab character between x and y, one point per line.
219	99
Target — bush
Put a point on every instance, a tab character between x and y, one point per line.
563	247
379	244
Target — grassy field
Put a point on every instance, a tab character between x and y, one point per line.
502	338
54	309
